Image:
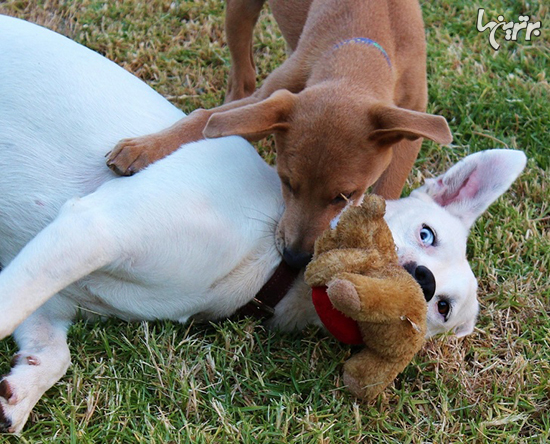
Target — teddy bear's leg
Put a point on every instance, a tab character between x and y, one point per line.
326	265
366	374
394	298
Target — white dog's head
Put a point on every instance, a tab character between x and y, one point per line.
430	229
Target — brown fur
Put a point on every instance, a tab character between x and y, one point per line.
343	119
358	263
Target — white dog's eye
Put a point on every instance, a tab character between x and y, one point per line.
443	307
427	236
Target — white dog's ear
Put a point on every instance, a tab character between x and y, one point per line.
468	188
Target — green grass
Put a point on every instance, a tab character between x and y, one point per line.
236	382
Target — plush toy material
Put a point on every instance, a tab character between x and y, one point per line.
342	327
356	263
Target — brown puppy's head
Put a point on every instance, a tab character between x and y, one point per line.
330	149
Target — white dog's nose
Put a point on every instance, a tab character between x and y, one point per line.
424	277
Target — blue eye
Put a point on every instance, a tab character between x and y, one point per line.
427	236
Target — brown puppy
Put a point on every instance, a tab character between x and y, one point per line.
346	108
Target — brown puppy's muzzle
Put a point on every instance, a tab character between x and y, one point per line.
296	258
296	242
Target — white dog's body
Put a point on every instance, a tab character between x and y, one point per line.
192	235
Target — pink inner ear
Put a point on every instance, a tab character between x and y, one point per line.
470	187
455	190
468	190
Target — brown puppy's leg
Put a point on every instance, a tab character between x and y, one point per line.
240	18
291	16
132	155
391	182
412	93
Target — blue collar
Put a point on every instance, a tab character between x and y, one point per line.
365	41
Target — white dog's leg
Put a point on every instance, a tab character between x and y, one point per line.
42	360
76	243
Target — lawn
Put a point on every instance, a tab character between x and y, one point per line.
236	382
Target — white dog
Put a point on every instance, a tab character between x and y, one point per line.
191	236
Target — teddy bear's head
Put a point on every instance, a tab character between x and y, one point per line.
360	227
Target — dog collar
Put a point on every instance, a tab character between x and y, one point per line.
262	307
365	41
343	328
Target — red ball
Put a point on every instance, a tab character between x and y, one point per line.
342	327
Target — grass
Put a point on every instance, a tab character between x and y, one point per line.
236	382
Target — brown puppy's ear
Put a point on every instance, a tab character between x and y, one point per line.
394	124
253	121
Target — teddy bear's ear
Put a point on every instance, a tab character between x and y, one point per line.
374	206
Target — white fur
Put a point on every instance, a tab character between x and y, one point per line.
450	204
191	236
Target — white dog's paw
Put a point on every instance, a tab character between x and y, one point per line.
6	395
18	394
14	409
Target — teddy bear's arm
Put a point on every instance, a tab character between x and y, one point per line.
322	269
379	300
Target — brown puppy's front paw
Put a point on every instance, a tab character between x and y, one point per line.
234	94
240	85
132	155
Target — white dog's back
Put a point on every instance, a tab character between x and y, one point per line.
86	105
207	207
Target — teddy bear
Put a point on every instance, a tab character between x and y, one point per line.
363	296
